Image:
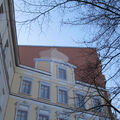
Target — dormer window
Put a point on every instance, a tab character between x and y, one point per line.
62	73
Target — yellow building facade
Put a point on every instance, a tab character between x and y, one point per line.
49	92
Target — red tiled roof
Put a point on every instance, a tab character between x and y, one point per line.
84	58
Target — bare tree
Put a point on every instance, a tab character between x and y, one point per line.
104	15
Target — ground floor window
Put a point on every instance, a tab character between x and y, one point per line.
43	117
22	115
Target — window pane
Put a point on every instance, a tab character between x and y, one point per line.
61	73
21	115
96	104
45	91
43	117
80	100
62	96
42	91
1	9
26	86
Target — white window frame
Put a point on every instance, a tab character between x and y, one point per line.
28	79
62	115
82	94
58	74
66	90
43	111
48	85
22	106
82	116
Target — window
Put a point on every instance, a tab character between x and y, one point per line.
63	115
5	48
81	116
1	9
96	104
22	110
62	96
80	100
26	86
22	115
103	118
43	117
45	90
43	113
62	119
62	73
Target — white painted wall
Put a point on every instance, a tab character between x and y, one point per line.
6	57
3	89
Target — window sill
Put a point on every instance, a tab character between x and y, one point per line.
62	104
44	99
25	94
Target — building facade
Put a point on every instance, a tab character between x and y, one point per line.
49	91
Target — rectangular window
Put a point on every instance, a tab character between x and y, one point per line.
96	104
45	91
62	119
1	9
62	96
26	86
43	117
80	100
6	48
22	115
62	73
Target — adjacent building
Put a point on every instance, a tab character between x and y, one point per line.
8	52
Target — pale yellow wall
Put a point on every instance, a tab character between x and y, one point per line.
54	84
11	111
69	73
42	65
16	84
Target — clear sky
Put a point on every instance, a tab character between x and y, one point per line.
53	35
52	32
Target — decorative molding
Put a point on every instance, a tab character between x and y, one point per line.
55	61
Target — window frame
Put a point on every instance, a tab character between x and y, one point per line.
27	79
1	9
49	92
62	115
23	106
58	98
80	94
43	111
43	116
93	104
21	111
58	73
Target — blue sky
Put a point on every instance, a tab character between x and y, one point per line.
52	32
53	35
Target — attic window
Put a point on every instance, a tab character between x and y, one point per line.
62	73
1	9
